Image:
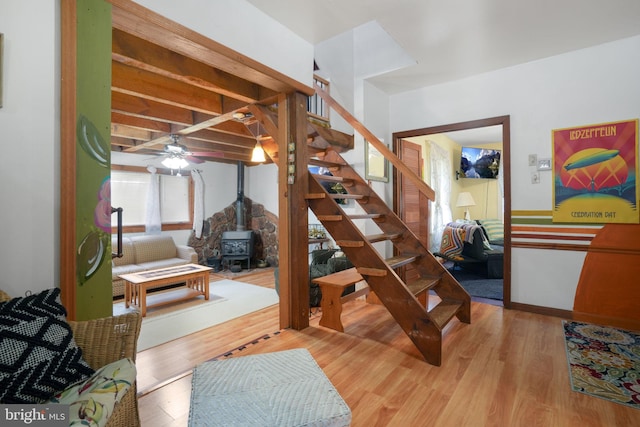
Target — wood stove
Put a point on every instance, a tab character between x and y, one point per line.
237	246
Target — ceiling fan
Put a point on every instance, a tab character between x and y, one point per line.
178	156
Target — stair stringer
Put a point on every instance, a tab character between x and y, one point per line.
448	288
424	331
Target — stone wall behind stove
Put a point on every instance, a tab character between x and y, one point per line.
263	223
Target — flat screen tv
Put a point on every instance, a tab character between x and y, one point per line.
479	163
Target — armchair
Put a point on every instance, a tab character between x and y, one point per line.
109	347
466	246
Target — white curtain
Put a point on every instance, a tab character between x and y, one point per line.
198	203
441	176
153	223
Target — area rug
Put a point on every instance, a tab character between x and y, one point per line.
228	299
604	362
486	288
479	286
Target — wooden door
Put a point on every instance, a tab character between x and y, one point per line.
413	204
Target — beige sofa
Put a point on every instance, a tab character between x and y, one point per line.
141	253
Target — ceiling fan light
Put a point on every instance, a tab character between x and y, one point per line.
175	162
257	155
168	162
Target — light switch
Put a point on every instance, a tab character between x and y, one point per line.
535	177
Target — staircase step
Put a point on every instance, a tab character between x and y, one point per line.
373	238
346	196
400	260
314	148
324	163
313	196
350	243
443	312
410	303
366	216
368	271
329	217
332	178
423	284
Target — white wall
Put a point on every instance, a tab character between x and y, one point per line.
30	124
261	186
219	179
594	85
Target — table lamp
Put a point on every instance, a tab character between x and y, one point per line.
464	201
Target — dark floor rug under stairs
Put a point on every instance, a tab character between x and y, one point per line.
405	301
479	285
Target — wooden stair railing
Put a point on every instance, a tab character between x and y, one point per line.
377	144
407	302
422	324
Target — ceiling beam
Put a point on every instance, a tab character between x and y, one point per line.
148	56
185	131
140	123
141	83
144	23
147	109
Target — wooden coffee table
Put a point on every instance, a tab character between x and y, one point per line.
195	277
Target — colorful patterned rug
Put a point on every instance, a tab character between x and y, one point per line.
604	362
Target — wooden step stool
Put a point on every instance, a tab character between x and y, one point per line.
332	287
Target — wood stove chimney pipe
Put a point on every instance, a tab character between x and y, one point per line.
240	199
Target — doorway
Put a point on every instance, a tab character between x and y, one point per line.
503	122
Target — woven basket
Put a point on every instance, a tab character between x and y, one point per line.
4	296
104	341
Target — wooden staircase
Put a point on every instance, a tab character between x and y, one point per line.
408	303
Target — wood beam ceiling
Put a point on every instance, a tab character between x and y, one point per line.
168	79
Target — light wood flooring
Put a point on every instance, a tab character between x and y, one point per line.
507	368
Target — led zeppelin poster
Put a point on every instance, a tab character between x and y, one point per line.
594	173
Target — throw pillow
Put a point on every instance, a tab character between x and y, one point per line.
452	242
494	229
92	401
38	355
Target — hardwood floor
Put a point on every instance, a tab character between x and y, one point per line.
508	368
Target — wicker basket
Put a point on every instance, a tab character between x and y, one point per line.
104	341
4	296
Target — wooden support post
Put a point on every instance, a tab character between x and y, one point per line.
293	211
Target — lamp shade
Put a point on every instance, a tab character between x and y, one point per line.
257	155
464	200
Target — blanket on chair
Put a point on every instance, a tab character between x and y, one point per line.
469	229
452	242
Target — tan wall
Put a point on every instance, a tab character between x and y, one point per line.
485	192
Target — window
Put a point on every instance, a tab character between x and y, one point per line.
129	187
